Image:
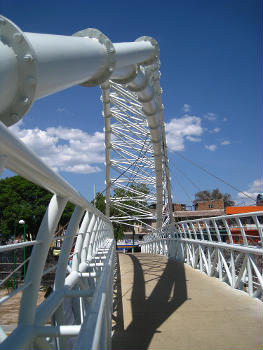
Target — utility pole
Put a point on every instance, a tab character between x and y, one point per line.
22	222
133	234
94	195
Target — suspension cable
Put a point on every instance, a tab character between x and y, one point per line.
213	175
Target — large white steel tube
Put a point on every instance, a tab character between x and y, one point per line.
147	96
8	74
36	65
107	123
133	52
167	172
124	74
64	61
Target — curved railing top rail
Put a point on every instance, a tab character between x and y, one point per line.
16	156
257	213
89	234
228	247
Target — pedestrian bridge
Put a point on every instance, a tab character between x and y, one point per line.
165	303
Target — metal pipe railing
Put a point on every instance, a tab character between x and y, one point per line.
93	239
229	247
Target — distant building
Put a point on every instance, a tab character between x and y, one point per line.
201	209
209	205
178	207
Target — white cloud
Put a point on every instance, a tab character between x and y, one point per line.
186	108
61	109
253	190
215	130
210	116
64	149
225	120
193	139
178	129
224	143
211	148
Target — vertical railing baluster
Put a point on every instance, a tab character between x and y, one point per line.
38	259
62	266
76	260
89	229
242	231
259	228
208	231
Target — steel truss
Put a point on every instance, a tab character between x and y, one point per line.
135	151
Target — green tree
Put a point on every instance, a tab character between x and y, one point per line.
127	196
207	195
259	199
100	202
21	199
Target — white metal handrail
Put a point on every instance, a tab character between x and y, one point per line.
229	247
96	240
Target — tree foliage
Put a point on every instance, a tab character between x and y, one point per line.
207	195
21	199
259	199
127	199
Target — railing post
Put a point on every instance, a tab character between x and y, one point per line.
38	258
76	260
89	229
62	267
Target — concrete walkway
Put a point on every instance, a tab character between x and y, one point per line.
169	305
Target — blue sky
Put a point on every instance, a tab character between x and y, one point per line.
211	65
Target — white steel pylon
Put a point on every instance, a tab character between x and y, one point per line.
137	174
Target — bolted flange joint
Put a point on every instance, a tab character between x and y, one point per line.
26	68
156	53
106	71
130	77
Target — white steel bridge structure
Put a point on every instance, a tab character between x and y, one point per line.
77	314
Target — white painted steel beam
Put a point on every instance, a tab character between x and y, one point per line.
36	65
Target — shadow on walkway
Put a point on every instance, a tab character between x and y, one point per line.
168	294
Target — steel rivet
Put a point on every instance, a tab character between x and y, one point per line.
28	58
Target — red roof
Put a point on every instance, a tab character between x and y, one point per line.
239	210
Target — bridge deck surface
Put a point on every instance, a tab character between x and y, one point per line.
169	305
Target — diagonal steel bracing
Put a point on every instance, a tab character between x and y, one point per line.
135	150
